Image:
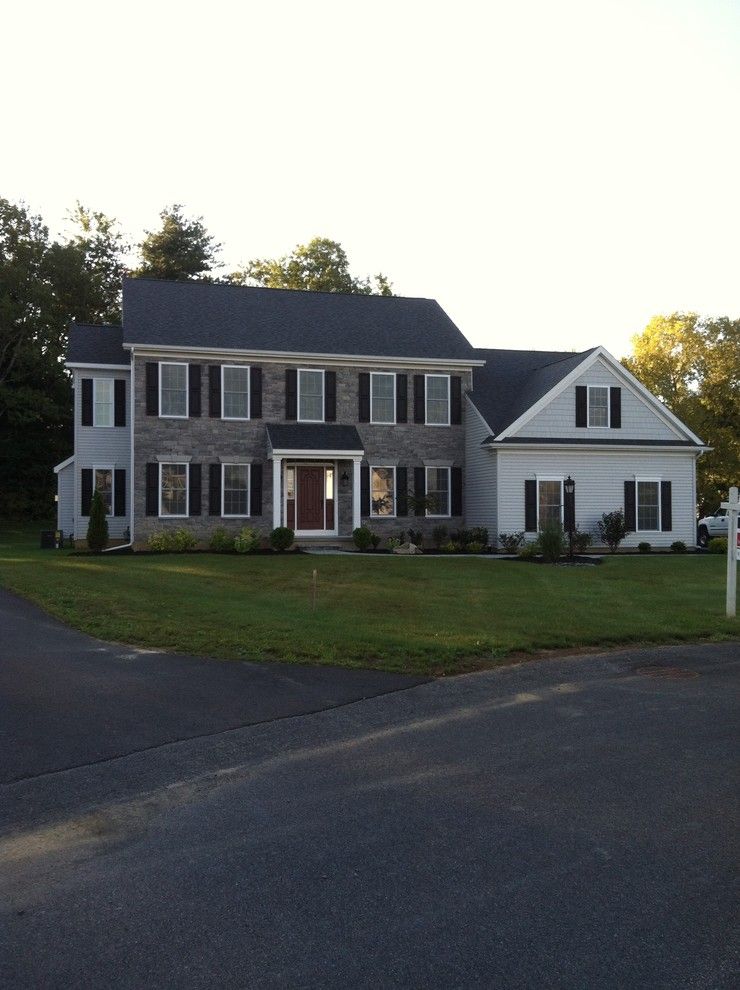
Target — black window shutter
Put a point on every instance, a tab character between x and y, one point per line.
214	490
666	507
419	396
119	491
630	514
194	390
402	401
456	482
152	388
530	505
214	391
255	393
569	510
119	405
152	489
86	491
420	488
330	396
615	407
194	494
363	413
255	493
364	490
291	393
87	402
455	401
402	491
581	405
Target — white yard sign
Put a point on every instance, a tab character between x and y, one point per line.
733	549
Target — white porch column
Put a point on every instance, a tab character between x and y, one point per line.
356	492
277	495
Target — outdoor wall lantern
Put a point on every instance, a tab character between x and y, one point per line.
344	479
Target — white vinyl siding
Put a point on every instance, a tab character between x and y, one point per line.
599	478
234	391
437	400
310	396
173	490
480	488
65	503
382	398
382	491
639	420
235	490
103	401
173	390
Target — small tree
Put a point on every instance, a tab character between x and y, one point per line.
612	529
97	528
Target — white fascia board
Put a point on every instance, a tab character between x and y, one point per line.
303	357
314	454
100	367
63	464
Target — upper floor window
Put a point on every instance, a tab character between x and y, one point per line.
173	489
648	504
103	482
102	402
382	398
438	401
235	391
382	491
310	396
598	405
173	390
438	491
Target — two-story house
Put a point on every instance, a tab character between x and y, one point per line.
223	406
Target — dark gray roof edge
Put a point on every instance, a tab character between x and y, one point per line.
265	288
598	441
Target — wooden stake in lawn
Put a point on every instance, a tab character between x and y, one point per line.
733	506
314	588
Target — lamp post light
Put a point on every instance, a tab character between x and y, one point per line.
569	487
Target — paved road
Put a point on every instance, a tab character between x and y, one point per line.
67	699
565	823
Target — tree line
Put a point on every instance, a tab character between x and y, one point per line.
46	283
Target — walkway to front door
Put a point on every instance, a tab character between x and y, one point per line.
310	498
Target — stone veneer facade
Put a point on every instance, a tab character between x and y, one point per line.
206	440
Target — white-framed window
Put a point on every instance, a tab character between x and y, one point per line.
647	505
550	502
103	482
234	391
437	388
310	395
382	397
438	490
102	402
173	389
174	494
235	489
382	491
598	405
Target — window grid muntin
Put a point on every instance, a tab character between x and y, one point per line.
314	399
177	494
235	486
382	490
598	406
107	490
103	406
549	508
383	406
437	404
173	393
647	505
441	492
235	401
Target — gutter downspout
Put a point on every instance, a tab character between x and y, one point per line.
126	546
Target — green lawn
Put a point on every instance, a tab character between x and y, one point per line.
424	615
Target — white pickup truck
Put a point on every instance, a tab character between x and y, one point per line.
711	526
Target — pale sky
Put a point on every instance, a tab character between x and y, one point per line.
553	172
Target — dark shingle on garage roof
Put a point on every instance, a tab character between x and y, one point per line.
512	381
96	344
235	317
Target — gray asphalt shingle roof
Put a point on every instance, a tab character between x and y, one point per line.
200	314
314	436
91	344
512	381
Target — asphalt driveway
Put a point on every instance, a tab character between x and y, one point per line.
67	699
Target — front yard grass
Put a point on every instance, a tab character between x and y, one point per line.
429	616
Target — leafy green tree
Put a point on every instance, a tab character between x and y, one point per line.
97	527
319	266
692	364
182	249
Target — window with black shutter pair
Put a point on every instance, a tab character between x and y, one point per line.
598	406
235	489
173	389
173	489
110	482
383	397
437	491
438	400
310	395
103	402
234	391
648	505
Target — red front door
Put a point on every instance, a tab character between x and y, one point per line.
310	498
